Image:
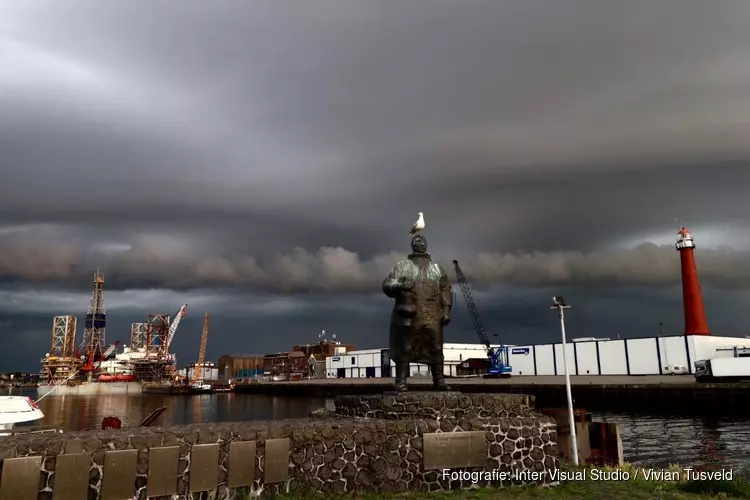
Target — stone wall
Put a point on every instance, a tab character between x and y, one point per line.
435	405
398	452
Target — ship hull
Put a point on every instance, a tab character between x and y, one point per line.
91	388
194	390
165	389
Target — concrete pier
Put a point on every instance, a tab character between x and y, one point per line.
677	394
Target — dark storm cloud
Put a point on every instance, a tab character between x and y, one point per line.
338	117
286	147
170	263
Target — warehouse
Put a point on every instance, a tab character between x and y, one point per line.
374	363
240	366
208	371
636	356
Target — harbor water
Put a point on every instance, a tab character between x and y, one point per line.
648	440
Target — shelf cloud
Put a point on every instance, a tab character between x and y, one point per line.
337	270
284	148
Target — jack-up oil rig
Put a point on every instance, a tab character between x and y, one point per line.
95	367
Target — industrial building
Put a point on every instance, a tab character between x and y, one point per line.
208	371
302	360
373	363
240	366
636	356
285	363
588	356
324	347
317	366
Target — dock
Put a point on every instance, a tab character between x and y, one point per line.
648	394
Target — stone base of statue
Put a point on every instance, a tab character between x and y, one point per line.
429	432
426	390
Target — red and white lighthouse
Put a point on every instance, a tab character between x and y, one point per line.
692	301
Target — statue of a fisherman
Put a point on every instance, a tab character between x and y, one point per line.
423	300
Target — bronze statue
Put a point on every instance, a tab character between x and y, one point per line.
423	300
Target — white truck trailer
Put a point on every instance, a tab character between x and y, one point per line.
734	366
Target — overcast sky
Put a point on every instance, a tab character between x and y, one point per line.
263	161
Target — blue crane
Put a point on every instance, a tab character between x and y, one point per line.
497	356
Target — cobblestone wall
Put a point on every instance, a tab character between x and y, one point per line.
323	454
435	405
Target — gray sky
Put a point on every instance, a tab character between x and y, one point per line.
263	161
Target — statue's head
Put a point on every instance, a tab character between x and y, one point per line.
419	244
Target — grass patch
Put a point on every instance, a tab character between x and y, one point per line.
712	488
636	488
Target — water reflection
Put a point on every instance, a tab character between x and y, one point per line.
659	441
711	448
87	412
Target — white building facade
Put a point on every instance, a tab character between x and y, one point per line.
375	363
209	371
637	356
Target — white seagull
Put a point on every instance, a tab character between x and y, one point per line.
418	226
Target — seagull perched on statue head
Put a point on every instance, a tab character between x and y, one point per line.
418	226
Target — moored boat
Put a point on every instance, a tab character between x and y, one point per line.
200	387
15	410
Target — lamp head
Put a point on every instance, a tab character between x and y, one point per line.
558	301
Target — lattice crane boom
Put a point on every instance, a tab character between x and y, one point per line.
471	306
497	356
198	372
175	323
110	350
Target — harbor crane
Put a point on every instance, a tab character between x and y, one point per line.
198	372
173	326
89	366
497	356
110	350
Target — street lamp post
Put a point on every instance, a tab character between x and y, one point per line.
559	304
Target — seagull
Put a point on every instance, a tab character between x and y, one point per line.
418	226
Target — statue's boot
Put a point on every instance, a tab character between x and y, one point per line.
402	370
438	380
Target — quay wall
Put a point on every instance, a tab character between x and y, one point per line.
406	448
671	394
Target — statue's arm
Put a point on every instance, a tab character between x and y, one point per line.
391	285
446	291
